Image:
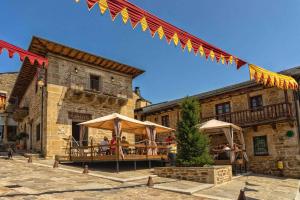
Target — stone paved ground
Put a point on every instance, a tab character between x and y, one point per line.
257	187
21	180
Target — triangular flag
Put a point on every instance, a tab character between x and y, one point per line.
125	15
222	59
230	59
144	24
218	58
90	4
103	6
212	55
175	39
134	19
114	10
189	45
201	51
160	32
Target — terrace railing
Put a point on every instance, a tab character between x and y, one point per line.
260	115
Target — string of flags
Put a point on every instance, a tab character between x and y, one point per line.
157	26
12	49
269	78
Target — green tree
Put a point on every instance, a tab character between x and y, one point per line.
193	146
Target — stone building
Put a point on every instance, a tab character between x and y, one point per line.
269	118
8	127
76	86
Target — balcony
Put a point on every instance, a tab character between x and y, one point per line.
259	116
20	113
79	92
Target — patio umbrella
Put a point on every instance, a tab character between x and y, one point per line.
228	128
109	123
152	129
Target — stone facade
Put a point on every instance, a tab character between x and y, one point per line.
7	81
60	100
277	117
69	97
212	175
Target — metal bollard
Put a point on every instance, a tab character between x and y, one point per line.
86	169
150	182
55	165
30	159
242	195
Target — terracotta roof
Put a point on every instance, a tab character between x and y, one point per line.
42	46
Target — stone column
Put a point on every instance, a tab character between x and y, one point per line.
5	133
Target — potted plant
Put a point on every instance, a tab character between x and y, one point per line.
21	139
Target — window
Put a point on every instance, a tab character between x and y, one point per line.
95	82
256	102
38	132
260	146
223	108
2	101
165	120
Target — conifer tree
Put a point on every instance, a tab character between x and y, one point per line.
193	146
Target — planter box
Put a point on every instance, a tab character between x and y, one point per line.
212	175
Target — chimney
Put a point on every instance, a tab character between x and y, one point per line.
137	91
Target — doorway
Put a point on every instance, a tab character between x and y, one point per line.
76	135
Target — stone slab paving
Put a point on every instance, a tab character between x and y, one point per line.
21	180
256	187
127	173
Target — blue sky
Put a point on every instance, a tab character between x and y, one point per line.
265	33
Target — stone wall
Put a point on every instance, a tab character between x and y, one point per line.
173	117
280	146
33	100
213	175
59	125
7	81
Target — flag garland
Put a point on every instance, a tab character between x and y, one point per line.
22	54
136	15
269	78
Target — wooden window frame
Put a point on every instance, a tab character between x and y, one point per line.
222	104
99	87
165	120
256	108
266	144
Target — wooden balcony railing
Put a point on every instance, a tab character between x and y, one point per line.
259	115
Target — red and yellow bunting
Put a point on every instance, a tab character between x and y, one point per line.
163	29
269	78
22	54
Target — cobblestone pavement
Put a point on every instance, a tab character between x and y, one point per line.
256	187
21	180
38	180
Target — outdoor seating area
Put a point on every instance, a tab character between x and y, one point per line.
227	144
118	149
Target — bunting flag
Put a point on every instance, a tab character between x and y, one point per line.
269	78
22	54
136	15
